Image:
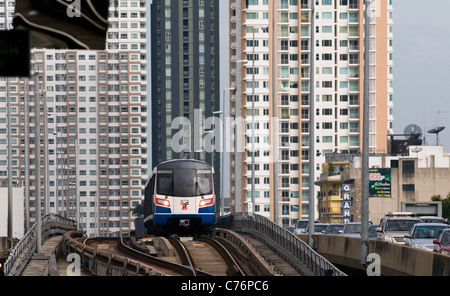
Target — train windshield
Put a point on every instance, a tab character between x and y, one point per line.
203	182
184	182
165	182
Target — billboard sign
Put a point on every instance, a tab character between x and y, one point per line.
380	183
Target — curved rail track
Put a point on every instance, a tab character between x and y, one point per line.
205	257
117	252
233	266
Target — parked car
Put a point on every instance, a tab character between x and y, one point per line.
442	243
351	229
300	226
422	235
290	228
394	226
318	228
373	230
431	219
334	228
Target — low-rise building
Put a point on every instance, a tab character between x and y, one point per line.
415	177
18	214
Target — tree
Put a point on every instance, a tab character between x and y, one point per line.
138	210
445	204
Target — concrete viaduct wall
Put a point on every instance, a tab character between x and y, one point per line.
396	260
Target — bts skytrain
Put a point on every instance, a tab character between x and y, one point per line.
180	198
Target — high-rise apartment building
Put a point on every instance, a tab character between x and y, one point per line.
93	126
185	80
270	70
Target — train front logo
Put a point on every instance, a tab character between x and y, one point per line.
184	205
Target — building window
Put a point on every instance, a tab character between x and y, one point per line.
408	167
408	187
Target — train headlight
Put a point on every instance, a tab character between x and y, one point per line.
206	202
162	202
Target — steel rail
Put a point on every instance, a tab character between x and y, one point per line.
186	258
233	267
127	257
133	253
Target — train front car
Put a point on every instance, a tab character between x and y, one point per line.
180	198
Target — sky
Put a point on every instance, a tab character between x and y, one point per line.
422	67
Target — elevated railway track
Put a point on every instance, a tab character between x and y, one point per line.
206	256
242	245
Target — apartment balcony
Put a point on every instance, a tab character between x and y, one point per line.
353	76
306	5
305	18
353	6
354	131
353	61
353	47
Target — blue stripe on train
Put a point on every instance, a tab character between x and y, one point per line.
163	210
204	210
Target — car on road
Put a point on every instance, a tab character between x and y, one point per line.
422	235
442	243
351	229
318	228
394	227
373	230
290	228
431	219
334	228
300	226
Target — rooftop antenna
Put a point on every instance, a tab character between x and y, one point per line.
437	129
424	128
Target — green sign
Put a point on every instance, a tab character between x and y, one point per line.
380	183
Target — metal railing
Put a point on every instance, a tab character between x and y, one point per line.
295	250
48	221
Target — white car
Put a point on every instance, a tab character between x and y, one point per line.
394	229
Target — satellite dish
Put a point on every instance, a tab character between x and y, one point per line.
416	150
436	130
413	131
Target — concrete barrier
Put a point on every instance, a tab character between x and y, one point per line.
395	259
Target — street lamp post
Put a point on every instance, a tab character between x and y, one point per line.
10	196
366	143
47	174
222	144
37	144
312	168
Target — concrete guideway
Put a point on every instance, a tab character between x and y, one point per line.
44	264
24	252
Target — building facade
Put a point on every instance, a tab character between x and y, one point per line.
277	68
93	126
186	94
412	178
